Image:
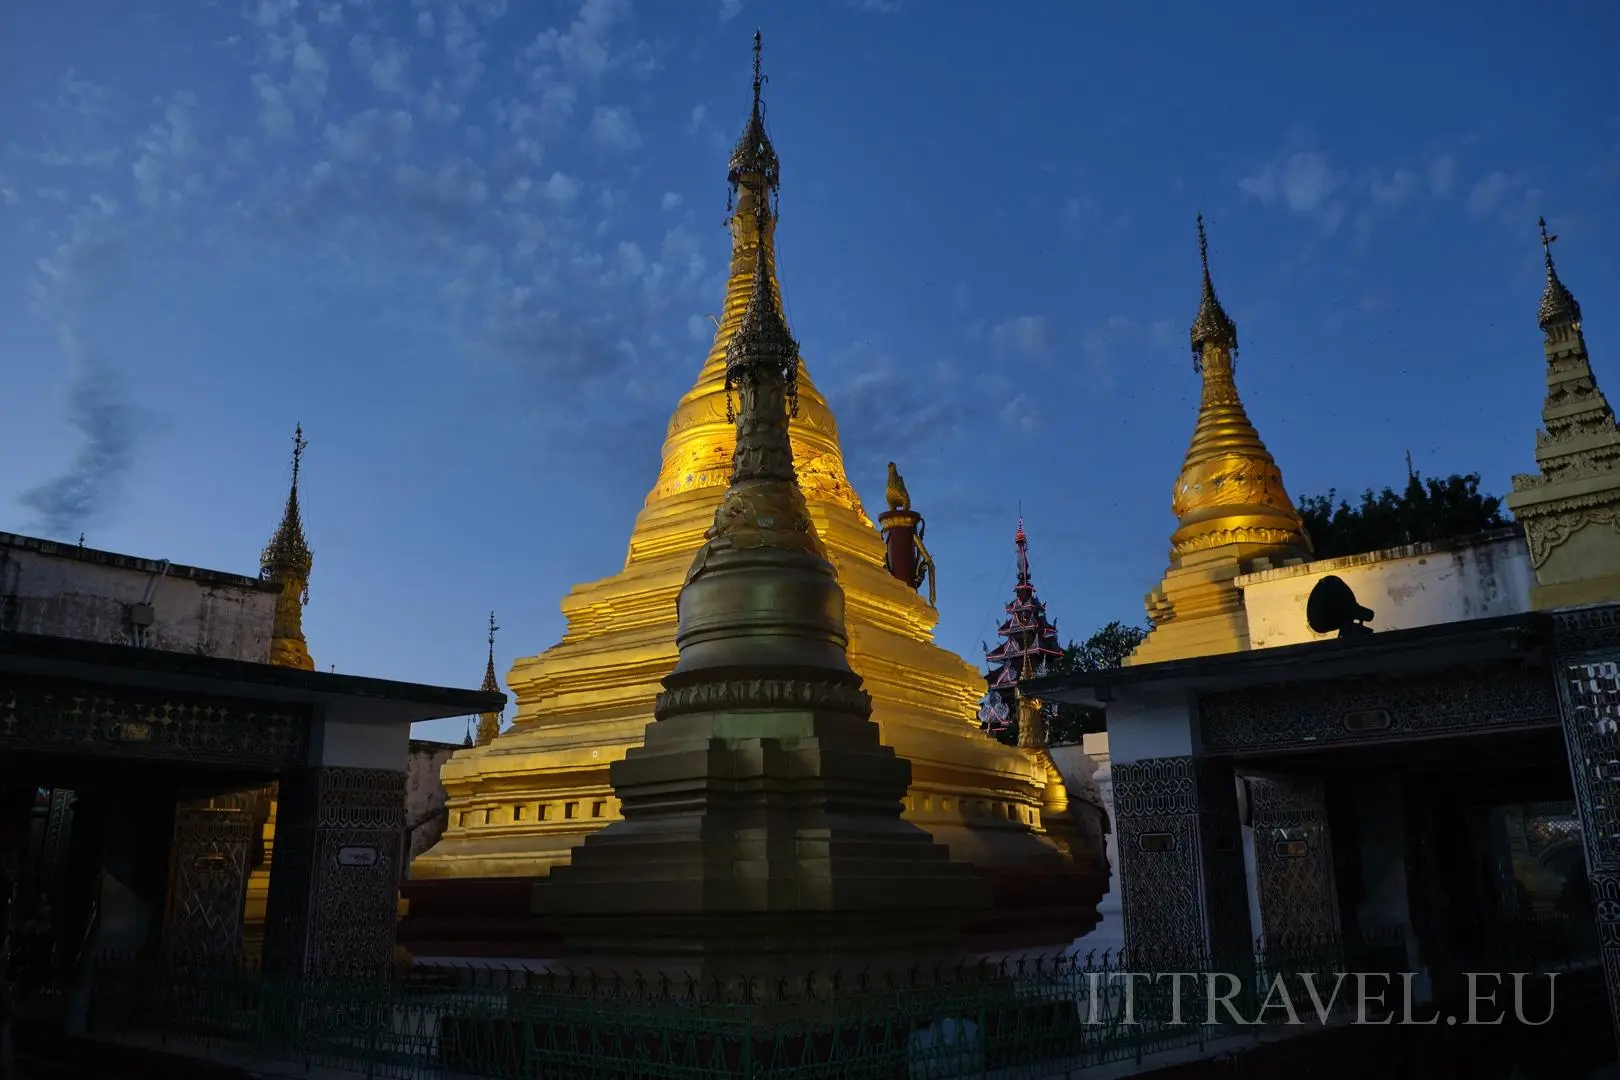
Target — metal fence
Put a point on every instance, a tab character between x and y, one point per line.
1025	1017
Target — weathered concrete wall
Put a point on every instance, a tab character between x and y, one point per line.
1420	585
425	796
66	591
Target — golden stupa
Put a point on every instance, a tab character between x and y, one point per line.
1233	513
519	805
288	561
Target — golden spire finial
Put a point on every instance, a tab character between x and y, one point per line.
753	155
1212	326
1558	304
288	561
491	684
287	557
489	724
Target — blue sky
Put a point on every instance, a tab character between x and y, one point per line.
469	244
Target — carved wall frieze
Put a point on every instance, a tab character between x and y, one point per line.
1343	711
1593	629
1547	527
765	694
116	721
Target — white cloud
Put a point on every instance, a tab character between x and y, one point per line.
386	64
694	120
1027	335
275	114
1442	175
370	136
671	200
562	189
614	128
1305	182
1494	190
730	9
164	148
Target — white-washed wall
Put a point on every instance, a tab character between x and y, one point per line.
1421	585
65	591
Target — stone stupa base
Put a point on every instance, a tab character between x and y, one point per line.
761	858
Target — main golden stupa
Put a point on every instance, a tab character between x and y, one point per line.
520	805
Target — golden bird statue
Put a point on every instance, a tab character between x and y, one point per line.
899	498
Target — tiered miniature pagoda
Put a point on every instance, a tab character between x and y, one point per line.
1029	642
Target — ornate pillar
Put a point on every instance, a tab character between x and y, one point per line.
208	878
1184	892
1293	857
1588	673
335	878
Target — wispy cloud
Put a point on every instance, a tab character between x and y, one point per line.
470	183
1305	182
99	410
1310	184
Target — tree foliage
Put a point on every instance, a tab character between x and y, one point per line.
1107	648
1429	509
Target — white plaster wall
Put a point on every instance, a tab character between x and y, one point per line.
67	592
425	795
1422	585
1149	728
1091	764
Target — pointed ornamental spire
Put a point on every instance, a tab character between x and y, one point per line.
1558	306
1021	542
754	155
287	557
491	684
1212	326
762	343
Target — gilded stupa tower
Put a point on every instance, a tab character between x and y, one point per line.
489	724
1231	508
762	829
288	561
1570	507
520	805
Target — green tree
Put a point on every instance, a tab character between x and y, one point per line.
1105	649
1429	509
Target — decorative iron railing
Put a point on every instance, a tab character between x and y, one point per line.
1024	1017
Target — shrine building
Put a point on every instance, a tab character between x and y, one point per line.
1422	740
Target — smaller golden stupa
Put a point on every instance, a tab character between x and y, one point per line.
288	561
762	830
489	724
1233	513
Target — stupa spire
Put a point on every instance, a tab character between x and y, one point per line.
489	724
288	561
1558	304
1212	326
754	156
697	450
1230	489
1570	506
